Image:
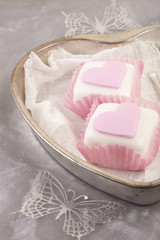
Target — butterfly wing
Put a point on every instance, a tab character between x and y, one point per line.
36	207
77	225
48	196
78	23
48	187
116	18
99	211
81	219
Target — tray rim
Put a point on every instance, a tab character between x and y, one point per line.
107	38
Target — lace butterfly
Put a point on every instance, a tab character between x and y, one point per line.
80	214
115	18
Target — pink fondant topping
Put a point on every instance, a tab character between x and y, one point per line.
109	75
122	122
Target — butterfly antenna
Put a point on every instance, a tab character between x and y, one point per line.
12	213
63	13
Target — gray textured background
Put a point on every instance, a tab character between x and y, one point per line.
23	26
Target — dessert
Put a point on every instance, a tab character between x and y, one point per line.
111	77
122	135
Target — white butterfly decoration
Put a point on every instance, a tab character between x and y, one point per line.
80	214
115	18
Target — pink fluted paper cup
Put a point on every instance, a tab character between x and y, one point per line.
82	107
116	156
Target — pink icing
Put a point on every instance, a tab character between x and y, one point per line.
109	75
122	122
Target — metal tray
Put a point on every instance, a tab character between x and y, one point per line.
142	193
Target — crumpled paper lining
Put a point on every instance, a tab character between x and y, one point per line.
45	87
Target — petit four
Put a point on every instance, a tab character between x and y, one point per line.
111	77
121	136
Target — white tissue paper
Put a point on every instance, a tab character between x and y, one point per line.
45	86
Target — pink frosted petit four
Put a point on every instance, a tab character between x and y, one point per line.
121	135
111	77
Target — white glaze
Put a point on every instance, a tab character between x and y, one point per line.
142	142
82	89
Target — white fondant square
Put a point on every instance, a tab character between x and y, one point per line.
82	89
